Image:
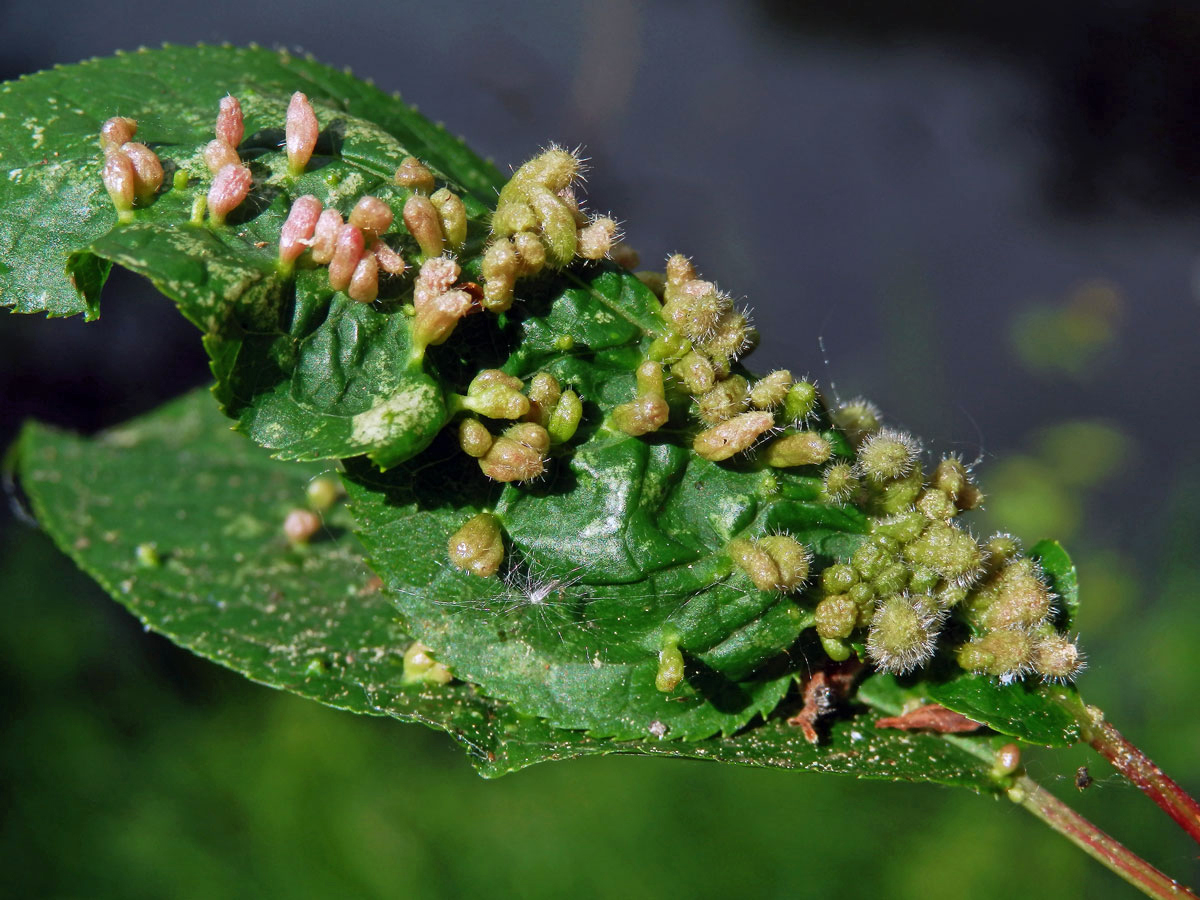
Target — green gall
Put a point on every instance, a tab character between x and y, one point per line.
1056	658
1005	653
947	550
301	525
839	484
836	616
695	372
564	420
791	558
733	436
771	390
668	348
755	562
544	393
951	477
420	667
897	495
414	175
903	635
650	379
863	597
902	529
800	401
729	338
804	448
922	580
478	547
836	649
670	667
695	308
887	454
496	394
1000	549
723	402
555	222
870	558
936	504
642	415
147	556
499	269
1014	597
179	181
679	270
322	492
1006	761
518	454
838	578
857	418
474	438
452	217
892	579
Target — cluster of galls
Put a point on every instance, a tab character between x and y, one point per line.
703	336
132	172
919	568
546	415
357	254
539	224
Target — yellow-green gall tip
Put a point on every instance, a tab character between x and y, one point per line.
518	454
323	491
421	667
564	420
836	617
727	398
478	547
903	634
936	504
1057	658
771	390
147	555
839	484
857	418
805	448
1015	597
670	667
774	563
887	454
474	438
800	401
947	550
838	578
696	373
1005	653
641	415
497	395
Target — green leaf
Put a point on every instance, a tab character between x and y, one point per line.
55	205
619	552
311	620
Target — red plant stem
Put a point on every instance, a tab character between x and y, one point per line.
1153	782
1109	852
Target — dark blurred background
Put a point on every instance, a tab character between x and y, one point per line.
984	219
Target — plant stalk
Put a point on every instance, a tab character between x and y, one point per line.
1109	852
1150	779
